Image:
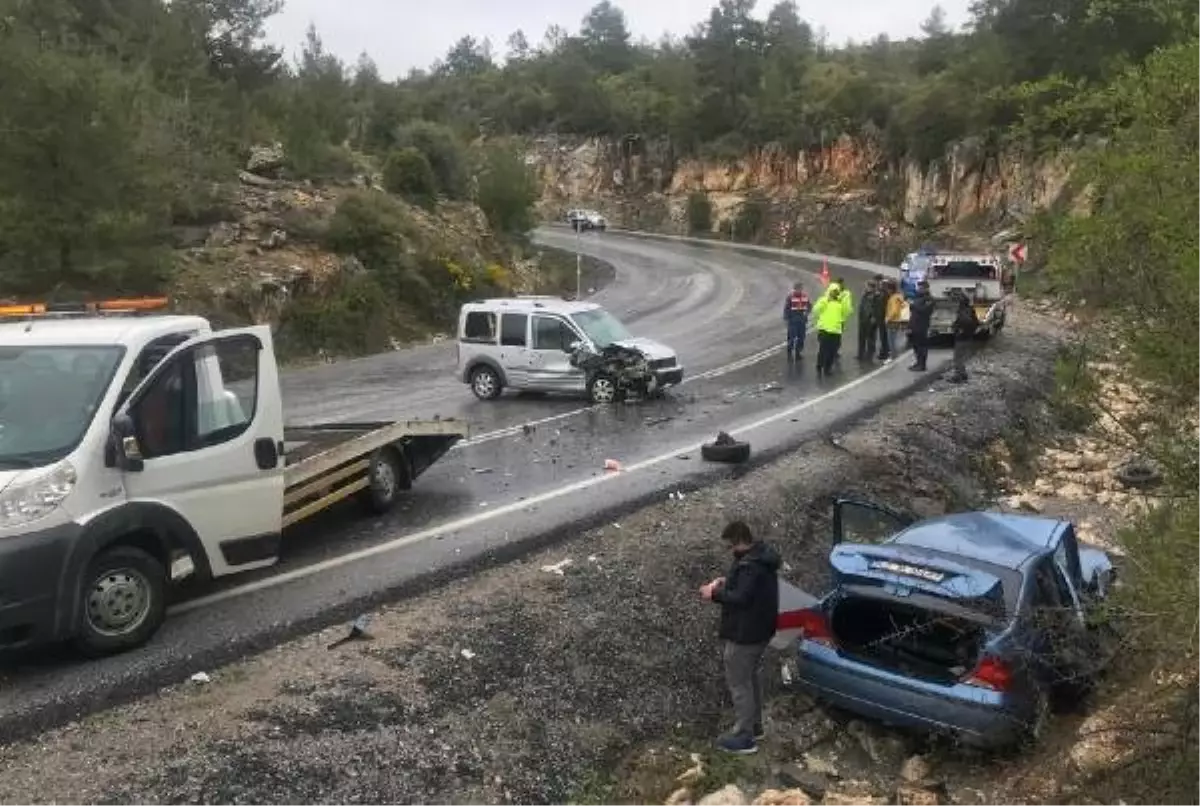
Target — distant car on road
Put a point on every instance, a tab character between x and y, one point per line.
527	343
967	624
584	220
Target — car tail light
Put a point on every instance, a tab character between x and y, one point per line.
991	673
812	624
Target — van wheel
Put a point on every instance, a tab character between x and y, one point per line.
485	383
387	477
602	390
123	599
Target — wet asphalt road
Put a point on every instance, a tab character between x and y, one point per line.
500	492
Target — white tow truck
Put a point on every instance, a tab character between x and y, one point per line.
137	451
979	276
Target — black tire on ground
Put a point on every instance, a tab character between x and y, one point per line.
734	453
485	383
388	476
602	389
122	601
1138	474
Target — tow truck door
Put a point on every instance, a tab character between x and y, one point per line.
207	426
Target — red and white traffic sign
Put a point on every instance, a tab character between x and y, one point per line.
1016	252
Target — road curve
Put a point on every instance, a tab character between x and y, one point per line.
712	309
499	496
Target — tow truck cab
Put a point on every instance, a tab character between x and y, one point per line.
140	450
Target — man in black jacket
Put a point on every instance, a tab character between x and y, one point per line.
966	322
920	313
749	599
868	324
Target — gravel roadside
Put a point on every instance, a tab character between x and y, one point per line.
544	680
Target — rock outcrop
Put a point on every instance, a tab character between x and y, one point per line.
644	183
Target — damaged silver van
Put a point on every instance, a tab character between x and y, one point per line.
526	343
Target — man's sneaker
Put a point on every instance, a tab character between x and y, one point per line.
738	745
917	368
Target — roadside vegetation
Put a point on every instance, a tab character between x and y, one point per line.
1130	268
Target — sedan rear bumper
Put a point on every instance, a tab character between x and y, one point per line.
978	717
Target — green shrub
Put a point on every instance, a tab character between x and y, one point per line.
445	153
371	226
507	191
751	220
408	173
352	320
699	212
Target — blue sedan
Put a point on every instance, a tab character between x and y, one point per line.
965	624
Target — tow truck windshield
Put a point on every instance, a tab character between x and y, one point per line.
601	327
48	399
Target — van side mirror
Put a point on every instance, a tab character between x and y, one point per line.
123	449
573	346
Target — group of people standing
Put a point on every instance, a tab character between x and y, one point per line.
879	321
880	324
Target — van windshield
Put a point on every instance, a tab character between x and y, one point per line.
601	327
48	399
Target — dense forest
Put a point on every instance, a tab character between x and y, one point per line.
121	118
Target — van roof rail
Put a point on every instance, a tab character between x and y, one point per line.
65	310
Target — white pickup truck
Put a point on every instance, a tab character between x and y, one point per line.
138	451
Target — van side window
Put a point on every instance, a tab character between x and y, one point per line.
512	329
551	334
480	327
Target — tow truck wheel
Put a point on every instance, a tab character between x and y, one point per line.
123	601
387	478
485	383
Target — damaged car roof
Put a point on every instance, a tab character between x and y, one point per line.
1008	541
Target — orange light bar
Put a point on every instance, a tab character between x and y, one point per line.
21	310
103	306
140	304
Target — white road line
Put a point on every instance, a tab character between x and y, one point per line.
508	509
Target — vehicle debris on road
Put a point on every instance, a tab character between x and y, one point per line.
200	678
558	568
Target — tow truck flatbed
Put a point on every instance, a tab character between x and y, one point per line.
327	463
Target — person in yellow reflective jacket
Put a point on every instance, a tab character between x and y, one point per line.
831	314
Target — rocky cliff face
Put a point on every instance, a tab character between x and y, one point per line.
847	186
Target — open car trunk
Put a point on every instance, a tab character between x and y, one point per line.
904	636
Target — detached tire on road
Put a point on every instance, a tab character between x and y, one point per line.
730	453
387	476
122	601
485	383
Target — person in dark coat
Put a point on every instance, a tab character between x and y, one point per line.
884	287
920	313
749	600
966	322
868	326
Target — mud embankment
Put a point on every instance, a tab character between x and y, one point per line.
587	671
